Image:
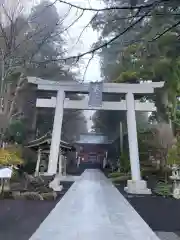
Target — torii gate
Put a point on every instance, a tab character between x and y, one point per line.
130	105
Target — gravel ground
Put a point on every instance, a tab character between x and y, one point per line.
19	219
161	214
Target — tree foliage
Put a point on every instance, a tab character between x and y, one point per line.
148	51
159	141
16	132
10	156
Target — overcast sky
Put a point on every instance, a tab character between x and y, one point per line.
87	39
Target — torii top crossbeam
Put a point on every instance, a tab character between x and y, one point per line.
73	86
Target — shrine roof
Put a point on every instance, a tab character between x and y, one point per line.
93	138
44	142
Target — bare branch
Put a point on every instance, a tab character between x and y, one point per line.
9	41
125	7
50	33
163	14
12	20
106	44
89	61
165	31
4	35
89	4
92	19
75	21
26	39
44	9
9	16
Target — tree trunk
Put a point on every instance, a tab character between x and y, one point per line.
162	104
19	86
2	79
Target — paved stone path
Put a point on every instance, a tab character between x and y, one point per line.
167	236
93	209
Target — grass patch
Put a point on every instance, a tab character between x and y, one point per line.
117	174
163	189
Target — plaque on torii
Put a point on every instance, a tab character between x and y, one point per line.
95	94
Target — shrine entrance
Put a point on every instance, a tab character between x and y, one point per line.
92	150
95	91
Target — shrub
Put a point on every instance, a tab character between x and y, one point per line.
29	167
33	182
148	170
9	157
7	195
27	196
49	196
16	195
163	189
125	163
15	175
115	174
174	154
159	140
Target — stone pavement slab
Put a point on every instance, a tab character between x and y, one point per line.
167	236
93	209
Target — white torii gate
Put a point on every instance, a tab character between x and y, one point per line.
130	105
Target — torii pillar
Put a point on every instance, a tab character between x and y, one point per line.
136	185
56	133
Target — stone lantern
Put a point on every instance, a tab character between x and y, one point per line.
176	181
